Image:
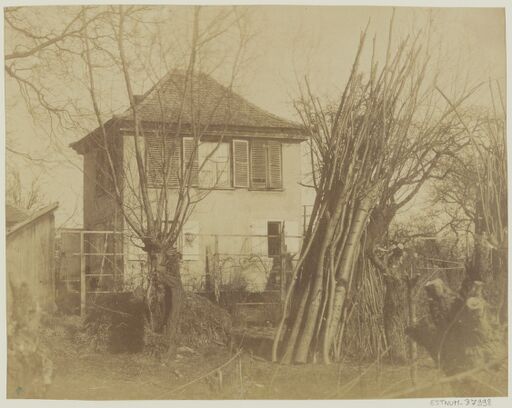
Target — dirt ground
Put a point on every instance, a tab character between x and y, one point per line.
84	374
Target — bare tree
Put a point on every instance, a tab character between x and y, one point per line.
421	156
156	214
461	333
474	197
22	196
40	48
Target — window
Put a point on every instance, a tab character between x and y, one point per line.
214	161
274	238
191	160
162	161
256	164
266	165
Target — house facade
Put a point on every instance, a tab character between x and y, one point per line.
246	167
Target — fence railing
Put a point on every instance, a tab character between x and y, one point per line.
90	262
101	262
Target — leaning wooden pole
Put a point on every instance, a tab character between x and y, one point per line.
357	148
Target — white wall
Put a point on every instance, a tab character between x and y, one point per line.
229	212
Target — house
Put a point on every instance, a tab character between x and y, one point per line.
248	161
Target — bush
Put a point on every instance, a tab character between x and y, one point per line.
115	323
202	323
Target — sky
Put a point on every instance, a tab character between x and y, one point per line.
288	44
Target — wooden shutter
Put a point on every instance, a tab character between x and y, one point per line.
162	157
241	163
275	165
189	162
172	163
258	164
154	160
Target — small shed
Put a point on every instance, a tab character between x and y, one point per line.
30	257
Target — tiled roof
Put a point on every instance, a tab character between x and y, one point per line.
210	103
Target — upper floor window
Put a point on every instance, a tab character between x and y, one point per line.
162	161
190	163
266	166
215	169
256	164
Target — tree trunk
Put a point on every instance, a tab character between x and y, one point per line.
165	295
489	265
412	281
395	317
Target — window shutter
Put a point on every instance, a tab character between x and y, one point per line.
189	162
240	163
162	159
173	162
154	160
275	165
258	164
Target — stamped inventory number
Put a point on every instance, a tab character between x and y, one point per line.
477	402
466	402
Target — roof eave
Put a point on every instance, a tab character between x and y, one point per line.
79	145
298	133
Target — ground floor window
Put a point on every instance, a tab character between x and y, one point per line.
274	238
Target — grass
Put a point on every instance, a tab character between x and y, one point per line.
82	373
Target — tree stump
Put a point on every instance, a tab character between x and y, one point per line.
457	333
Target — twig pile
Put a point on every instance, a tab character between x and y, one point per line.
382	120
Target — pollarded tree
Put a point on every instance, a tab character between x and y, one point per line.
157	212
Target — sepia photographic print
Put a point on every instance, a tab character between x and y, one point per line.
247	202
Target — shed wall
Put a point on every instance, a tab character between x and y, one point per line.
30	261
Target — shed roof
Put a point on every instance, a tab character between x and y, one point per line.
30	218
14	215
